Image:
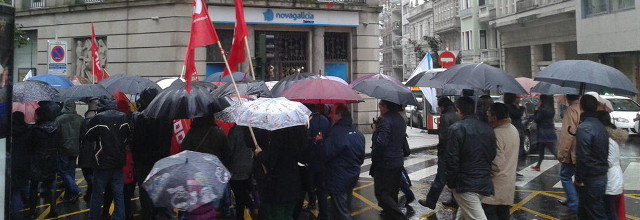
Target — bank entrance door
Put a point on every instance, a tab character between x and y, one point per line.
280	54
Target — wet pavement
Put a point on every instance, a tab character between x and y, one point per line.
536	192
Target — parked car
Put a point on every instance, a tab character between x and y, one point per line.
625	110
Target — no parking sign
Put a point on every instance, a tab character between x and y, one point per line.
57	54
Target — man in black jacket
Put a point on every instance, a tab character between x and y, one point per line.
592	151
387	157
151	142
469	153
447	118
110	130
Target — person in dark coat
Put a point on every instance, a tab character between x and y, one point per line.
86	160
546	129
279	180
151	142
110	130
43	143
240	164
344	153
69	124
387	156
515	113
206	137
484	103
447	118
469	152
314	158
19	164
592	151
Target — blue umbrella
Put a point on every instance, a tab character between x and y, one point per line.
237	76
58	82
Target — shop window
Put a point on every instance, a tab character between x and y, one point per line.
336	47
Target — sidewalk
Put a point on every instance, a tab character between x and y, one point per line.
417	140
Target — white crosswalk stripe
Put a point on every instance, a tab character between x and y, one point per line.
407	163
631	178
423	173
529	174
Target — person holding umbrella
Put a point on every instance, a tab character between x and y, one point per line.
110	130
566	152
546	134
43	141
318	124
515	113
387	156
69	123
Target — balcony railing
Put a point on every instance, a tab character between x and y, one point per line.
37	3
92	1
463	13
490	54
525	5
446	25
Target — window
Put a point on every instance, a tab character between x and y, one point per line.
483	39
592	7
623	4
481	2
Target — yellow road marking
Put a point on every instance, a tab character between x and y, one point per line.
366	201
538	214
632	217
363	186
428	214
524	201
361	211
553	195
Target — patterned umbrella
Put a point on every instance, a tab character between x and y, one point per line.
54	80
128	84
271	114
187	181
34	91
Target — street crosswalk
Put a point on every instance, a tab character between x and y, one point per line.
421	167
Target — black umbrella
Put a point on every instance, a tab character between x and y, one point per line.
257	88
289	81
128	84
33	91
587	75
387	90
477	76
176	103
206	85
553	89
85	91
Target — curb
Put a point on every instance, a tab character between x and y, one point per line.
421	148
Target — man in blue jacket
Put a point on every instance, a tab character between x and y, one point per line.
344	154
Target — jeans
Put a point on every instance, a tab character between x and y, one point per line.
340	206
469	205
101	179
19	195
496	212
67	171
592	199
437	186
405	186
566	172
386	185
548	145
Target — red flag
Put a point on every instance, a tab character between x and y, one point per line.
189	67
202	34
96	70
180	129
202	31
237	54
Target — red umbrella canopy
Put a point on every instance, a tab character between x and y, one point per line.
321	91
527	83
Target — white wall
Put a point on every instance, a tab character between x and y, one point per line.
612	32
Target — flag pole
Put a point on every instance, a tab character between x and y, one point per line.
246	47
235	87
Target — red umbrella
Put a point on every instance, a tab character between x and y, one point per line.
321	91
527	83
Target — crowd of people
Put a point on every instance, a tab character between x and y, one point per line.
116	146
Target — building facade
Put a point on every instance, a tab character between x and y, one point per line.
149	37
418	26
610	31
391	33
478	39
446	23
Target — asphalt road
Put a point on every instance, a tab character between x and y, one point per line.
536	192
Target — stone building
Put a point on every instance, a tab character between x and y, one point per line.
419	25
391	33
149	37
446	23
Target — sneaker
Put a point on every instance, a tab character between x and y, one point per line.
450	203
536	169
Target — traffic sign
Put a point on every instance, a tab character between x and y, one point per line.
57	62
447	59
57	54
